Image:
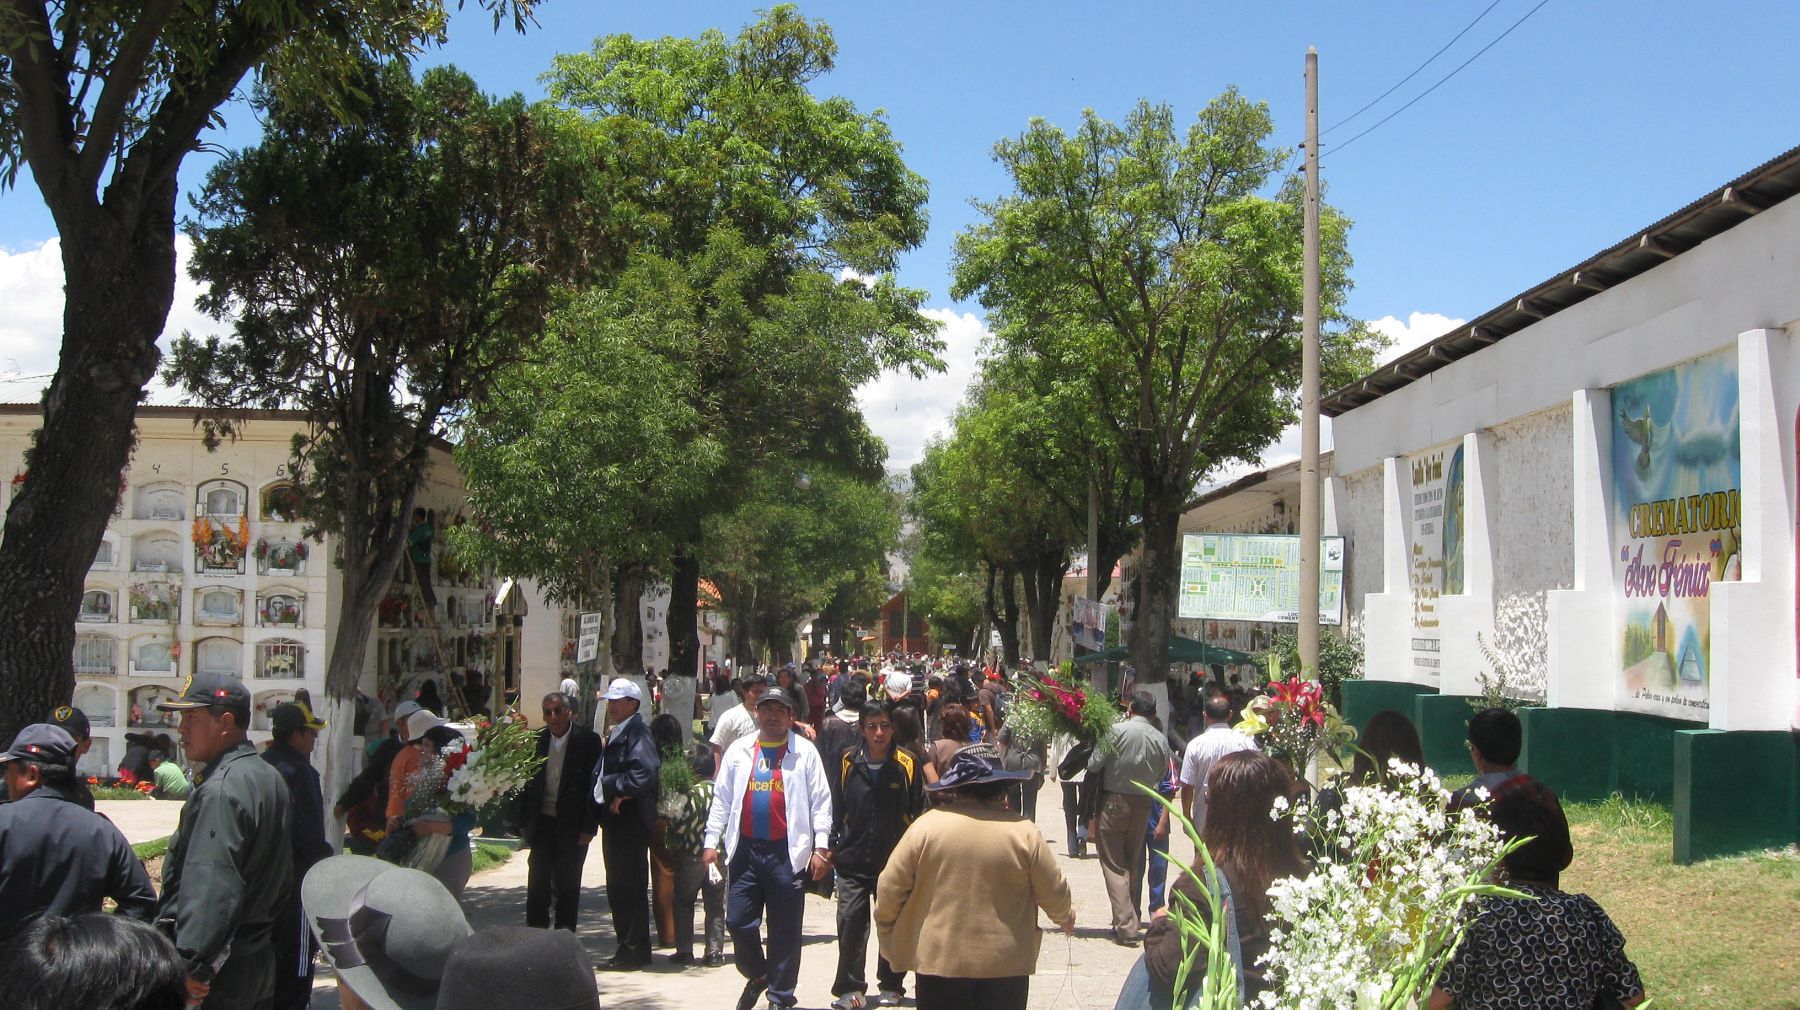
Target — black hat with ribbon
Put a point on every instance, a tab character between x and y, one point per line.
974	765
386	930
544	969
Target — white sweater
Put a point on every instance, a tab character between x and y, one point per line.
804	789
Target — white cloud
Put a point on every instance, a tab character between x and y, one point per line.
31	288
1418	329
906	411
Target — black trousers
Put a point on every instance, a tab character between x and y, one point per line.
625	844
245	982
1076	796
292	945
939	993
553	876
854	895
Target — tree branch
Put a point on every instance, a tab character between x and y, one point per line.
123	81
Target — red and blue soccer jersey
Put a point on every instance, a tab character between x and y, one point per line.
765	805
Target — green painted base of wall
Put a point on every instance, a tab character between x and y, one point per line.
1364	698
1643	760
1735	792
1443	722
1571	749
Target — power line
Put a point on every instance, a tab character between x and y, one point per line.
1416	70
1442	80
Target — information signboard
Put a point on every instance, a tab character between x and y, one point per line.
587	643
1256	577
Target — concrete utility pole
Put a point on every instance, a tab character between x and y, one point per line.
1309	390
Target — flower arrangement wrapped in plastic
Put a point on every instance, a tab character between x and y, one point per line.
1046	706
461	779
504	758
1294	721
1376	921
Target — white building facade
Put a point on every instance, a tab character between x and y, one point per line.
1593	486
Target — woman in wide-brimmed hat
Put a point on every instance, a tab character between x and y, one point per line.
948	906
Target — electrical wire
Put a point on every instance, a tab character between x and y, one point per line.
1416	71
1441	81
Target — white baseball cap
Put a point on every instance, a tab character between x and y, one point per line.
621	688
419	722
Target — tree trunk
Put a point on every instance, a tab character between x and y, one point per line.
1009	618
366	581
1043	598
627	643
1158	579
683	615
117	290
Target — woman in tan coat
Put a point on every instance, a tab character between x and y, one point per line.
948	907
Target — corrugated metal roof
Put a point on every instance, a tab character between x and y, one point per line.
1713	214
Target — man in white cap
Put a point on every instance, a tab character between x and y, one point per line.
625	786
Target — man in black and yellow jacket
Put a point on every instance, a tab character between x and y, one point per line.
877	791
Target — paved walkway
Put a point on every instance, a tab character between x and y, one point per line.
142	820
1082	973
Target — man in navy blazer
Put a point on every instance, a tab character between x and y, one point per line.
625	787
557	817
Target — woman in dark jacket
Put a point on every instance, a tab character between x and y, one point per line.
1252	850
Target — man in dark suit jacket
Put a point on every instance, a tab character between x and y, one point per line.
557	816
625	787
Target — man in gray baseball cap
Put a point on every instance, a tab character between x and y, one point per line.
229	869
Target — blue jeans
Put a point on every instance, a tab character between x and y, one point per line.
1155	862
762	879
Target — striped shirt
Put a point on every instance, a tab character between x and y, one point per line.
765	805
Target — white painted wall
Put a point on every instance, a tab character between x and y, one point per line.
1535	405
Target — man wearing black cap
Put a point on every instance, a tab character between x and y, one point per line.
296	731
75	722
230	863
55	857
769	829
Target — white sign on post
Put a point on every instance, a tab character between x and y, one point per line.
587	643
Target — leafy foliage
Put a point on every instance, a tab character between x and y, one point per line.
381	275
1142	267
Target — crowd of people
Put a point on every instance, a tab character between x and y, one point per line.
894	789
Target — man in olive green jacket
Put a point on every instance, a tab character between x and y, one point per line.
230	862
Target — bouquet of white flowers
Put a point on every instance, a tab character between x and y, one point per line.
1372	927
1375	922
503	759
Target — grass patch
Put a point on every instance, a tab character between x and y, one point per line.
487	856
1720	933
152	848
117	793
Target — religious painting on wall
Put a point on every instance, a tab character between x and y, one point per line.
1676	526
1435	547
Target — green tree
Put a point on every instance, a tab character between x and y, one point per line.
774	203
1142	265
102	101
791	545
381	275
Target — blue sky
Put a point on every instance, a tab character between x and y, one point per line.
1589	121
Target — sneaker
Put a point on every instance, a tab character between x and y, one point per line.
888	997
715	959
753	991
850	1001
775	1004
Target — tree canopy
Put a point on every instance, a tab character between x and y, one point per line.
103	100
379	274
1142	266
766	224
